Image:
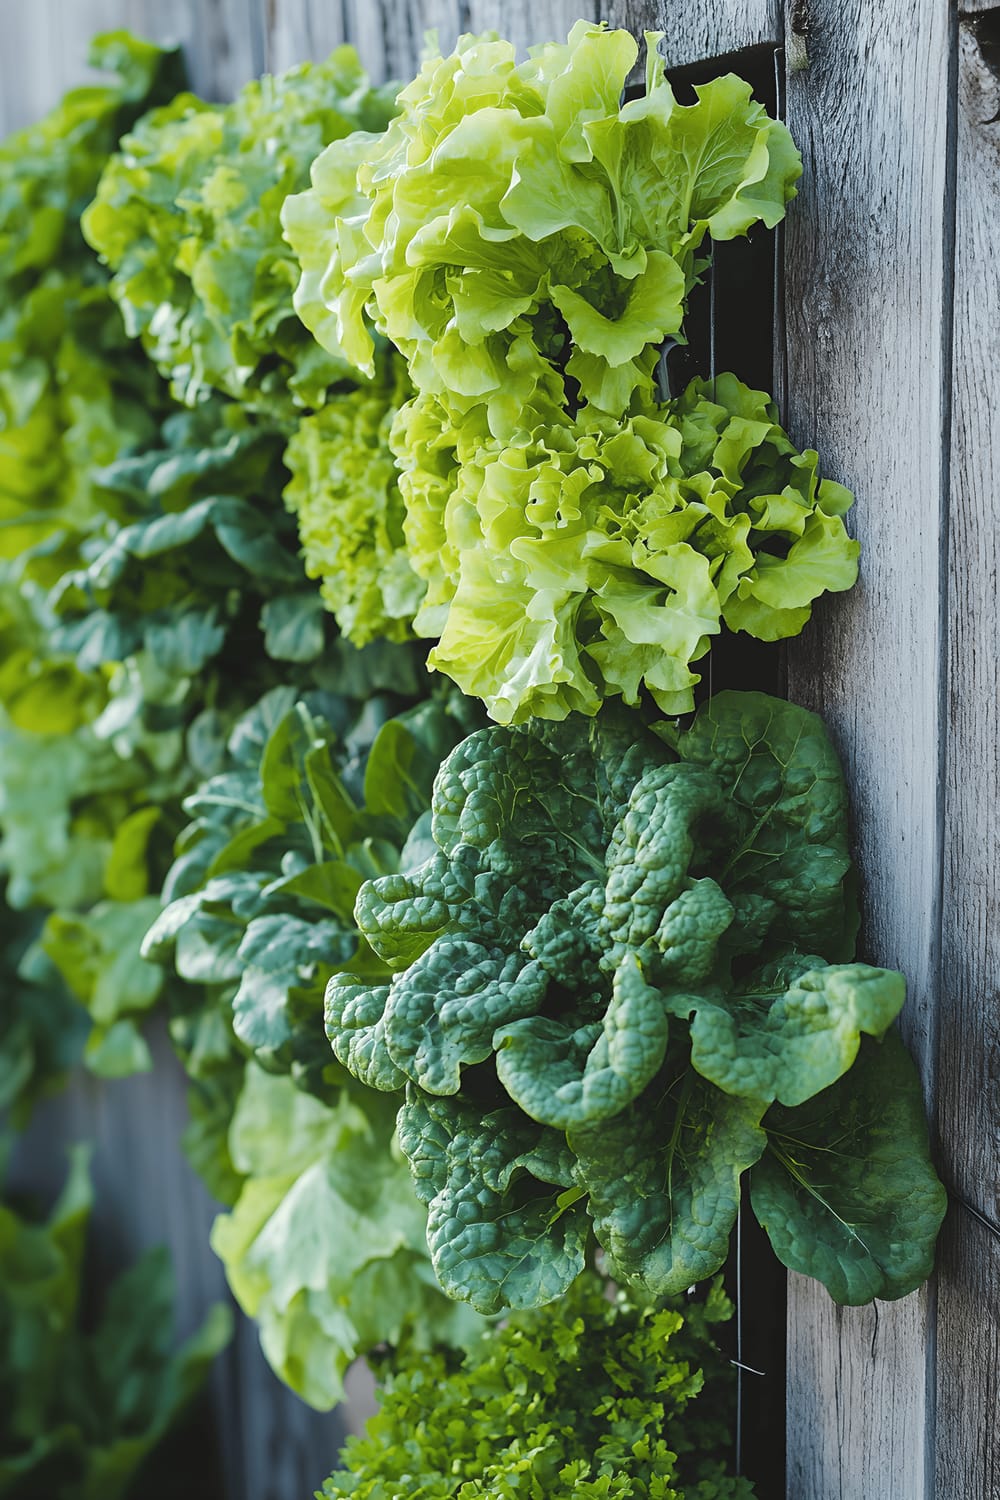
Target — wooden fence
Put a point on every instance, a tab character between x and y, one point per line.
888	355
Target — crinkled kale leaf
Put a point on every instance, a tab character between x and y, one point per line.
623	979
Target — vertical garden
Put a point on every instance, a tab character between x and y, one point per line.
366	550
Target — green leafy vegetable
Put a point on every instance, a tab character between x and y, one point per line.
317	795
344	492
42	1031
617	957
80	1411
591	1397
511	213
527	242
846	1191
187	217
71	391
593	556
325	1244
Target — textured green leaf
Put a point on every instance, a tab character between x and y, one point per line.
663	1179
325	1205
846	1190
565	1076
496	1233
787	1036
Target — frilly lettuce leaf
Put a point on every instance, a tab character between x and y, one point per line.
186	215
617	958
595	557
507	205
344	493
72	392
591	1398
527	242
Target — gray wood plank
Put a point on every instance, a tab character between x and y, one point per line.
968	1449
45	46
695	32
968	1103
865	319
525	22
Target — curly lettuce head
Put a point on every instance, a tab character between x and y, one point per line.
516	215
344	491
72	394
595	557
187	218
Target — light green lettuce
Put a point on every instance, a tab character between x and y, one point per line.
344	492
512	215
528	242
325	1245
186	215
72	394
594	1398
597	557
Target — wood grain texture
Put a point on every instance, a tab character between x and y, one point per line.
968	1448
389	36
525	22
45	46
865	309
696	31
968	1101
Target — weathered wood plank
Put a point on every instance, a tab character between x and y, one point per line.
968	1447
525	22
45	46
695	32
968	1103
389	36
865	319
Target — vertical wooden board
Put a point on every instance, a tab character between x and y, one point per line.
968	1447
865	272
271	1445
390	36
525	23
968	1102
969	1067
694	32
285	1449
45	46
145	1191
